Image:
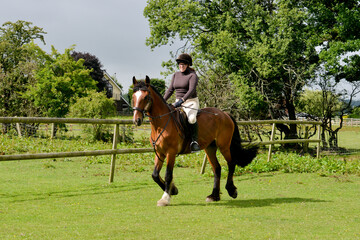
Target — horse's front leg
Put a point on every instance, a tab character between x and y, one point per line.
159	160
170	188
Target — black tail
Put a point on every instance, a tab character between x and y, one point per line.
241	156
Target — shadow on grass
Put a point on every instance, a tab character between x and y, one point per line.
267	202
253	203
84	191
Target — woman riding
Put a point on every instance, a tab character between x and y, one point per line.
184	83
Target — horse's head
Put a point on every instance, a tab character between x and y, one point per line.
141	100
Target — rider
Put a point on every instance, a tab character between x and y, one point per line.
184	83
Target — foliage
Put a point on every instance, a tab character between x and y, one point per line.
19	58
93	63
59	83
247	39
269	45
355	112
293	163
319	104
94	105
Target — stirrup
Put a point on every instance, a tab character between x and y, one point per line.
194	146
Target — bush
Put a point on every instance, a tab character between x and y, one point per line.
95	105
293	163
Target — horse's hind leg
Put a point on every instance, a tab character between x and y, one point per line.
230	187
211	155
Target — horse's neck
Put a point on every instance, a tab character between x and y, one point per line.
159	107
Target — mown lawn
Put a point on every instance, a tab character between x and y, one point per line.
45	199
71	198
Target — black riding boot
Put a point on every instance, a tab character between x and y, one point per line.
194	146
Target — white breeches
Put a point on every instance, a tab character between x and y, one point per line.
191	107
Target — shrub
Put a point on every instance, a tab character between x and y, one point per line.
95	105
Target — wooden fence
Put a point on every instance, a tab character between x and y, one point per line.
114	151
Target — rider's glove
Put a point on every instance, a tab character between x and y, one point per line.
178	103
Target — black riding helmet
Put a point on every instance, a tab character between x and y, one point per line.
184	58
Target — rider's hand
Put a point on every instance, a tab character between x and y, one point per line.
178	103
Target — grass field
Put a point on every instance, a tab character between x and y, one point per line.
48	199
71	198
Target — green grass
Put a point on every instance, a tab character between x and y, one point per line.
44	199
71	198
349	137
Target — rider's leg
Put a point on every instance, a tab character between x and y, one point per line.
191	107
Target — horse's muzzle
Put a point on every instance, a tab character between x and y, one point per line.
138	121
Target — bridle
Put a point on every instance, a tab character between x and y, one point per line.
147	105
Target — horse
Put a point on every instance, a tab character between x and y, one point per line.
217	130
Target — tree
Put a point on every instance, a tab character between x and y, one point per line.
269	45
93	63
264	43
59	83
19	58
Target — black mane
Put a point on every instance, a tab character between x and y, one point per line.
140	85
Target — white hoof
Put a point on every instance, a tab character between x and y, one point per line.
209	199
164	201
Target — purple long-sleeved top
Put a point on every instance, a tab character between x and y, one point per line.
184	84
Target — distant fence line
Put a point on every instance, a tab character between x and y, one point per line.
348	121
114	151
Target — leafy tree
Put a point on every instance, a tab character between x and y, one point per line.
355	112
251	40
324	105
267	45
59	83
19	58
93	63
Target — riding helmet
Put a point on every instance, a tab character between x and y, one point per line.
184	58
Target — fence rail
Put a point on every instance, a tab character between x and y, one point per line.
114	151
348	121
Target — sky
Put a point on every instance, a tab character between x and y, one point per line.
114	31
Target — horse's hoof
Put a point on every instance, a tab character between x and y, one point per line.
212	198
174	190
234	194
163	203
232	191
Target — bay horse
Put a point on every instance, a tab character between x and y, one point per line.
217	130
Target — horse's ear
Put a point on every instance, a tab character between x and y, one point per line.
134	80
147	80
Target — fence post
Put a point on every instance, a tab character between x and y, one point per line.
271	139
18	130
318	144
203	165
113	157
52	130
306	144
124	133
